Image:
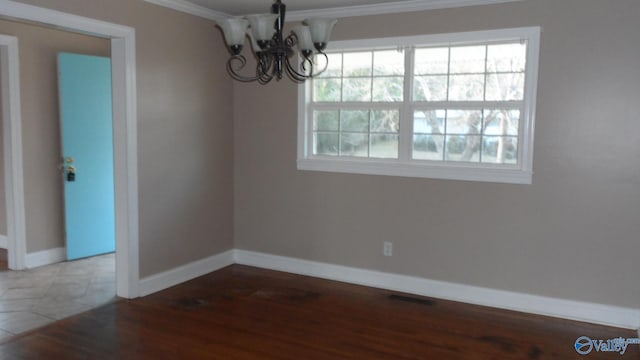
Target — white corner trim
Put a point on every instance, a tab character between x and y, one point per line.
169	278
4	241
45	257
567	309
389	8
336	12
12	137
190	8
123	60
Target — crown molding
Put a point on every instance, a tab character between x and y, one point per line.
191	8
337	12
389	8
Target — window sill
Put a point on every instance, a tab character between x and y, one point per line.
463	171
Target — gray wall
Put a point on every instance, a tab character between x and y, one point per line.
572	234
185	129
38	48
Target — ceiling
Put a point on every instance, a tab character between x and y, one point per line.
301	9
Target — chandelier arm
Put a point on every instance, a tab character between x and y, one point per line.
233	70
309	60
263	75
294	74
306	62
307	66
263	78
236	63
289	43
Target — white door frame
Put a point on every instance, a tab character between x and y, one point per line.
12	129
123	59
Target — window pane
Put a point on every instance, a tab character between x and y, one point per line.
385	121
466	87
390	62
325	144
431	61
500	149
334	67
357	89
463	118
388	89
506	58
509	86
462	148
429	122
501	122
326	90
357	64
430	88
356	120
325	120
354	145
384	146
428	147
464	122
468	59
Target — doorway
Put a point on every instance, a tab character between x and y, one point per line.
125	140
39	296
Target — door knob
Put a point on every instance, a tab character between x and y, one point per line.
71	173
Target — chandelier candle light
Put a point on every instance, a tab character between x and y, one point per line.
273	51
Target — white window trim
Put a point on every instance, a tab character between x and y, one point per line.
517	174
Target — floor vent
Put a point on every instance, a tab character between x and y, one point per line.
411	299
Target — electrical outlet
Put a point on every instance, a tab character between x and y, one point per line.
387	249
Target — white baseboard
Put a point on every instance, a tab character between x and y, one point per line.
45	257
4	241
567	309
178	275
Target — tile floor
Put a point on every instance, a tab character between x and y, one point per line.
36	297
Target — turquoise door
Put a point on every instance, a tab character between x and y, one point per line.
87	148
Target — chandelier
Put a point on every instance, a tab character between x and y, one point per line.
273	52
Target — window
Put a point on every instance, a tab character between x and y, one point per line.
451	106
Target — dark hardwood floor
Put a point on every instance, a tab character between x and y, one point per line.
241	312
3	260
